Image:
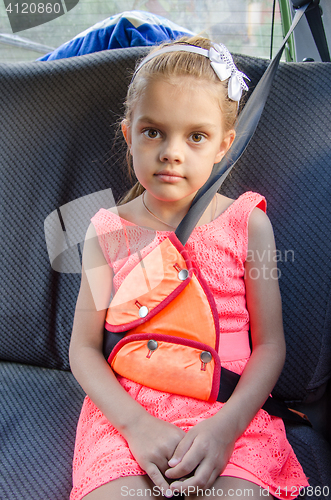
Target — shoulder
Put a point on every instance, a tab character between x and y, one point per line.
245	203
260	232
239	210
250	199
106	221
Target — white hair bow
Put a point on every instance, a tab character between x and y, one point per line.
222	63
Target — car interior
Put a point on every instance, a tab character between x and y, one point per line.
62	158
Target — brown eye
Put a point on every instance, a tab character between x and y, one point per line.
151	133
197	137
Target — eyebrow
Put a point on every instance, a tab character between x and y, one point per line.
147	119
196	126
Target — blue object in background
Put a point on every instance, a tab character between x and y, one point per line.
128	29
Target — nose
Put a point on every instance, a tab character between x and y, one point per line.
172	152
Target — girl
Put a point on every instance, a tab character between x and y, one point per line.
140	442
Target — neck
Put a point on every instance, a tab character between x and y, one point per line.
170	214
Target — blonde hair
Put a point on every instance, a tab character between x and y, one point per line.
174	64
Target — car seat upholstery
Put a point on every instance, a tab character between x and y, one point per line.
61	159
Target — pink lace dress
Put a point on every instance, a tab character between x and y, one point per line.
262	454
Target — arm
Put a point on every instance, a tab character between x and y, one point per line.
210	443
97	378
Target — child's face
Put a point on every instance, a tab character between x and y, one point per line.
175	137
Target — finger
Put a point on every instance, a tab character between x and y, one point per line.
181	449
191	459
214	475
218	469
204	476
157	478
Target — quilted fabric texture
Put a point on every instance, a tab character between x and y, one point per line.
303	439
39	412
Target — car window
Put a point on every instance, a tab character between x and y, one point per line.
243	25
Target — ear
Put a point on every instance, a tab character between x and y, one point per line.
226	144
126	131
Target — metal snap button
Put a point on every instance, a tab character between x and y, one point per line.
183	274
143	311
206	357
152	345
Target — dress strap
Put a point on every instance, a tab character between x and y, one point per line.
236	218
112	235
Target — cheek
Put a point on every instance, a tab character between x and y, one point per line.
145	157
140	163
200	174
140	148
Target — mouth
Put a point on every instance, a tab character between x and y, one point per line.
169	176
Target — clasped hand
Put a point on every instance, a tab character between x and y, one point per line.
167	454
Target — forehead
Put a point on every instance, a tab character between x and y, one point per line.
185	97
